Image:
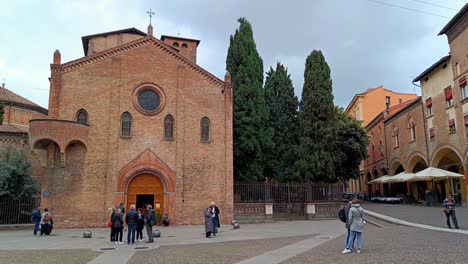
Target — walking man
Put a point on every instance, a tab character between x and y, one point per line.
131	219
36	217
449	210
150	221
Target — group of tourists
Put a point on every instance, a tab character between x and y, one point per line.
43	221
136	220
212	224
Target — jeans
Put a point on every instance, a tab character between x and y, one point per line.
36	227
215	225
131	233
118	234
454	219
139	232
149	231
353	235
347	239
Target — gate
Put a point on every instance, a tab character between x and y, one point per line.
17	211
289	200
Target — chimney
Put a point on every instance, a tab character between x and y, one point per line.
150	30
387	103
57	57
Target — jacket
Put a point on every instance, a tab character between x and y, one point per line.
131	217
117	220
208	221
36	216
356	218
140	220
150	217
346	209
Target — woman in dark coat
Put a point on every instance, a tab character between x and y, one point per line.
208	222
112	234
118	225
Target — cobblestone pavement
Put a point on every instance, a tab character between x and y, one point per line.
392	244
418	214
78	256
224	252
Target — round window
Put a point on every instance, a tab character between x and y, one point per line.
149	100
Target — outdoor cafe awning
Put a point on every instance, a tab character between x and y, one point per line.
432	173
379	180
400	177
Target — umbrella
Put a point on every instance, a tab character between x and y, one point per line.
432	173
379	180
401	177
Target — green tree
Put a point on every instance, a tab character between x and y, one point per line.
316	122
351	144
283	107
15	175
251	136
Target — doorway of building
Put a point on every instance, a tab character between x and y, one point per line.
144	199
146	188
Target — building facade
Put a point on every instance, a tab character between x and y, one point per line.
137	121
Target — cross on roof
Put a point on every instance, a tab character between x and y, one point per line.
150	14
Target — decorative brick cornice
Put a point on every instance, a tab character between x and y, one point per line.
70	66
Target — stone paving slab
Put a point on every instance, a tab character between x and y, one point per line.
70	256
418	214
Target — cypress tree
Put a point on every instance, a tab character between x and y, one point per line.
283	106
251	136
316	122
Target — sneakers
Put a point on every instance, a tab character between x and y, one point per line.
358	251
346	251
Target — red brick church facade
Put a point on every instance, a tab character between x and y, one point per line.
137	121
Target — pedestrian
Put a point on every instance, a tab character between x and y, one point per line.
112	233
215	209
166	220
122	208
356	222
140	225
428	197
131	219
150	221
449	210
208	222
118	223
347	225
46	221
36	217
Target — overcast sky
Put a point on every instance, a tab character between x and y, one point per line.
366	44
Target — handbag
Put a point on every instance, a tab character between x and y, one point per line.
110	223
446	211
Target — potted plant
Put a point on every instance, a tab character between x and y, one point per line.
158	218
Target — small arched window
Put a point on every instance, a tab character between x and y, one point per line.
175	44
169	127
126	124
82	116
184	49
184	46
396	136
205	130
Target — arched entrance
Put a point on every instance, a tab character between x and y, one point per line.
448	159
417	163
146	188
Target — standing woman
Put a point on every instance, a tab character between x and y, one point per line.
117	220
356	223
140	225
449	210
112	233
208	222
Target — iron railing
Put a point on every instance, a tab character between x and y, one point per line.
17	211
286	192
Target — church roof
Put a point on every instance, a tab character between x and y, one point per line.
148	40
9	97
85	39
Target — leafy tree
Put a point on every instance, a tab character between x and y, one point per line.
15	175
283	106
316	122
351	144
252	137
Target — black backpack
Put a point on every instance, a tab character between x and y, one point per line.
342	215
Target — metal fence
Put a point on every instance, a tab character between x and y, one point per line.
17	211
286	192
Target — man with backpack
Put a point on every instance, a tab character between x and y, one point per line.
343	215
46	220
36	217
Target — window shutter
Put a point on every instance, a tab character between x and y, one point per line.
448	93
462	81
429	102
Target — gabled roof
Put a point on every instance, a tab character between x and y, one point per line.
454	20
187	39
435	65
9	97
148	40
387	114
85	39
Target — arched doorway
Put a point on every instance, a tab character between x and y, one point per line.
146	188
448	159
417	163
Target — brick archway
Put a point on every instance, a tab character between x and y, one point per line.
148	163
